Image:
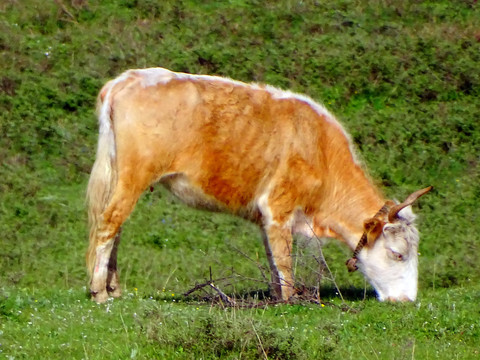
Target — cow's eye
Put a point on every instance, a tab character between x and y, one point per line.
394	255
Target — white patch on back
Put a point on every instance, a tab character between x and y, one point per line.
154	76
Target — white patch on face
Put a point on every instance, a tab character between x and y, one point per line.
391	265
394	280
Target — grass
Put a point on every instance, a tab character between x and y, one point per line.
402	77
56	324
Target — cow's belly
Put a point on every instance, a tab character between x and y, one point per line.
180	185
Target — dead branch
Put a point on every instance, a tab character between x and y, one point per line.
225	298
304	298
195	288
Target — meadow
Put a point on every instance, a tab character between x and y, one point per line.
403	77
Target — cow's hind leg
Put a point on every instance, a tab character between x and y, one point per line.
113	281
121	205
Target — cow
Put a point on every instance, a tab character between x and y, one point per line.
271	156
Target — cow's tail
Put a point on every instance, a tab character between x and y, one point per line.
103	177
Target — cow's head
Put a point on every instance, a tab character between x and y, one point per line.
387	253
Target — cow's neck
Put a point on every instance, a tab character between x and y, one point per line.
349	199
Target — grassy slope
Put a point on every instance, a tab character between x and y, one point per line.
404	80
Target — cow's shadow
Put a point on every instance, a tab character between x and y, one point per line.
327	294
348	293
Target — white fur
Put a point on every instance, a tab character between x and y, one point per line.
103	256
262	204
105	119
155	76
301	224
394	279
180	185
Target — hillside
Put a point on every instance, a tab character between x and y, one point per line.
402	77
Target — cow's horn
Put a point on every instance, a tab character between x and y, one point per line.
392	214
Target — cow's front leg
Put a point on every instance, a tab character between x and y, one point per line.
278	246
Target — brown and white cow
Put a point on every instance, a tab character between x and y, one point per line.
268	155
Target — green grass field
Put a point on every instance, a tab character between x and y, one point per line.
402	76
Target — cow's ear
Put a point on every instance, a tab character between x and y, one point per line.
373	228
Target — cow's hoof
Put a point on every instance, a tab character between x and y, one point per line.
99	297
114	292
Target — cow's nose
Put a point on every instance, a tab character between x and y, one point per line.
402	298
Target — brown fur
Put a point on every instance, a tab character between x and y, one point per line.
223	145
373	228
